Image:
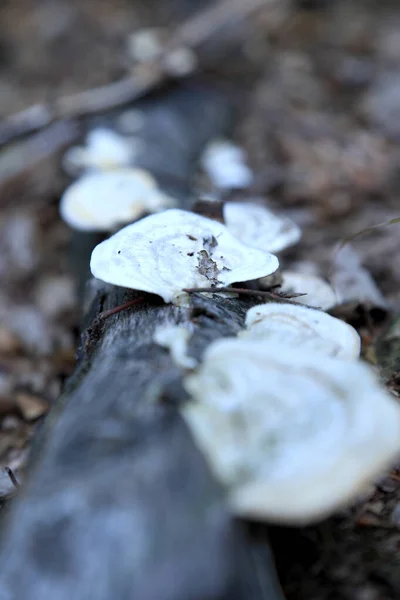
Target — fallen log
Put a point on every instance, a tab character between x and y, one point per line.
119	502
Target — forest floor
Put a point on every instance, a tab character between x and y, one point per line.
318	93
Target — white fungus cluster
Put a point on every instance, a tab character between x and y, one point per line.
109	191
289	419
294	435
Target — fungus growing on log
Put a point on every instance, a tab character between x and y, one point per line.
224	163
104	200
303	328
175	249
105	149
318	293
258	227
294	436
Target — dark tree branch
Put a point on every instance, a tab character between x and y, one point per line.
119	502
198	30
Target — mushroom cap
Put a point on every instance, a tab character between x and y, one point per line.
302	327
319	293
146	44
103	200
224	163
258	227
104	149
294	436
176	249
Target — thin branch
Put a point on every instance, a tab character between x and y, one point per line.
27	121
194	32
12	477
108	96
245	292
78	105
209	22
113	311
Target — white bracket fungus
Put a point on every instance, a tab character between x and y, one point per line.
167	252
257	226
105	149
180	61
293	436
176	338
151	45
224	163
147	44
104	200
303	328
319	293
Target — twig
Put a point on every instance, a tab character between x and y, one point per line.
108	96
11	475
245	292
192	33
78	105
208	22
27	121
113	311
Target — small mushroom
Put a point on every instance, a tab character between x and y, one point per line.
293	436
318	293
175	249
147	44
224	163
302	327
258	227
102	201
175	338
105	149
180	61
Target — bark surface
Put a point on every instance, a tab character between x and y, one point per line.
119	502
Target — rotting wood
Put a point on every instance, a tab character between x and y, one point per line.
119	502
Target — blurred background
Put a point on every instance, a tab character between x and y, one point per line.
315	89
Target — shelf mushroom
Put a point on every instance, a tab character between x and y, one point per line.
164	253
257	226
104	149
303	328
293	436
318	293
104	200
224	163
